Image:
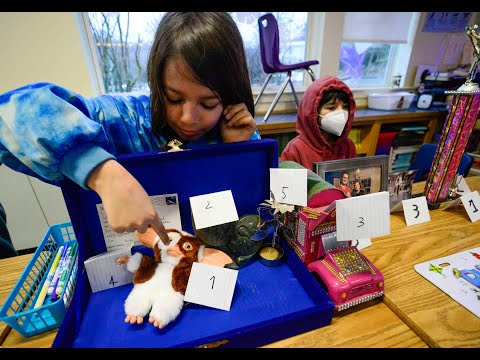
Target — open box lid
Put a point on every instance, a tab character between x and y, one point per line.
242	167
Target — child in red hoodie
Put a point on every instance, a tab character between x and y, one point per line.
324	121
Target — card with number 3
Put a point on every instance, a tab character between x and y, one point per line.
416	210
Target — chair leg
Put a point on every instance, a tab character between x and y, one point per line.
279	93
264	85
310	71
294	93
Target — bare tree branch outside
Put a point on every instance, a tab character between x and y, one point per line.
123	57
123	52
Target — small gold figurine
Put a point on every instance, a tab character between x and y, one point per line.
175	145
474	38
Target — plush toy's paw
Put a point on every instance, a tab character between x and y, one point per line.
157	323
132	319
122	260
166	309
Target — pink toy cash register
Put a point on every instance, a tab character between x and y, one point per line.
346	274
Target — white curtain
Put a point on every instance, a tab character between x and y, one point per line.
384	27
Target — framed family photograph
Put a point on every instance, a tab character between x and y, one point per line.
356	176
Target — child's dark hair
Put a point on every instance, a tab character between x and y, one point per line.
333	95
212	47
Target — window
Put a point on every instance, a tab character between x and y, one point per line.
123	41
371	54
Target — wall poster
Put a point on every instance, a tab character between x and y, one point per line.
447	21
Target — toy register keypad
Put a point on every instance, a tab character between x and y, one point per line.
350	262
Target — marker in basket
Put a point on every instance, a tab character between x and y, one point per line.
58	271
63	278
50	275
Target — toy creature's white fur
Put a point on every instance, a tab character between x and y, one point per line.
157	294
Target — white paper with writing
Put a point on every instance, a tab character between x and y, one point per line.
471	202
167	209
456	275
397	207
364	216
213	209
289	186
104	273
211	286
364	243
463	188
416	210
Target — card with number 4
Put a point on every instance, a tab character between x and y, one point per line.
416	210
471	202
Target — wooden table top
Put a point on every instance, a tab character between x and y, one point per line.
412	313
10	271
370	324
438	319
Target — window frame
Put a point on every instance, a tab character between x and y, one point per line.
323	42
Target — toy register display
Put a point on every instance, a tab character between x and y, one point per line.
456	131
268	303
348	276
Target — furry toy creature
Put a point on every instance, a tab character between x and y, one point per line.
160	281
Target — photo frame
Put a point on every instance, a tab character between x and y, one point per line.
400	186
370	172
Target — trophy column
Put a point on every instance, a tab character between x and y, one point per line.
458	126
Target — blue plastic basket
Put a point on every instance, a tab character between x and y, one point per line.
18	310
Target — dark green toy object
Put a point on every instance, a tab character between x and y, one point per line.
234	239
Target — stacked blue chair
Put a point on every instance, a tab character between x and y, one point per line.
424	158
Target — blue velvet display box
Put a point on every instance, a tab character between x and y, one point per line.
268	304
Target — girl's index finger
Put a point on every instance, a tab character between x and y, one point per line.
158	227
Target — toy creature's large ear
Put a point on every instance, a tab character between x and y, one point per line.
148	238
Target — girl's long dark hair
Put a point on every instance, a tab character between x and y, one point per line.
211	45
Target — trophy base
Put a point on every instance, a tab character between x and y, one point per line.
442	204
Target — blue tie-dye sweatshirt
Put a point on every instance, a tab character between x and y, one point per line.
52	133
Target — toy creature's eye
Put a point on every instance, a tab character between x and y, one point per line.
187	246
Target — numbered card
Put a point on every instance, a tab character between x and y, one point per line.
416	210
363	243
167	209
363	216
211	286
213	209
289	186
104	273
471	202
463	188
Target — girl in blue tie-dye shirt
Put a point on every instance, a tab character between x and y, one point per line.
200	93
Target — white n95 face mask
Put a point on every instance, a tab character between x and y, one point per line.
334	122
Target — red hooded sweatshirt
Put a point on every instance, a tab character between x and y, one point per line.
309	145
